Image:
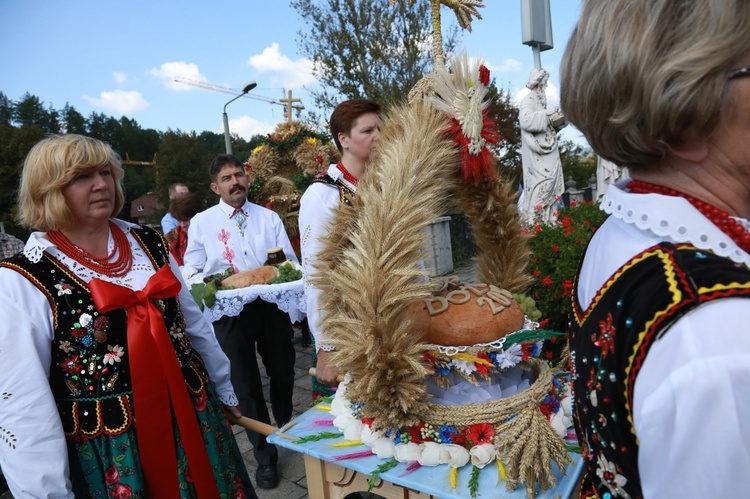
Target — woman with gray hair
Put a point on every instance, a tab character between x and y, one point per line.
660	341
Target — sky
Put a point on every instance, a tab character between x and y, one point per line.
120	57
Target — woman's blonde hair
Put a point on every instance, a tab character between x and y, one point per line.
52	164
639	77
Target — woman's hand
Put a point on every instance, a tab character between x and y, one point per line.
325	371
233	411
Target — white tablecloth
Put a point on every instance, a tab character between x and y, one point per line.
288	296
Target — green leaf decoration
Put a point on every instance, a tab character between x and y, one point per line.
318	437
571	447
375	475
474	481
531	335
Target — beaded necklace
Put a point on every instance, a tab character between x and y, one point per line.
718	217
347	176
117	268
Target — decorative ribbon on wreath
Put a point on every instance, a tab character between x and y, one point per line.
158	387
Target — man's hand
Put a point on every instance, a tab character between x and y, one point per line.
325	371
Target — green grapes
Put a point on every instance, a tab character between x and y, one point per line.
287	273
528	305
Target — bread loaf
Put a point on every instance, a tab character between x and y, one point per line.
258	275
469	315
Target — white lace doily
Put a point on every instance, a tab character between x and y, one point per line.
288	296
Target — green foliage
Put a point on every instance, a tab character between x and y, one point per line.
290	142
504	113
366	48
474	481
556	252
255	190
302	180
382	468
183	157
324	435
15	143
578	163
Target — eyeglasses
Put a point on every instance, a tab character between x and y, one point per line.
738	73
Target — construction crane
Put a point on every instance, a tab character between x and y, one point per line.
232	91
287	101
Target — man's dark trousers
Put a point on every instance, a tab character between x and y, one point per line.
260	323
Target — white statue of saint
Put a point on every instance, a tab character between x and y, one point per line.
607	173
542	170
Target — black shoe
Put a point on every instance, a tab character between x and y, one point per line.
267	477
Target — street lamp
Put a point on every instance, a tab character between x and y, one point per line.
227	140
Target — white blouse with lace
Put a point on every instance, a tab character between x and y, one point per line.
691	408
32	444
317	207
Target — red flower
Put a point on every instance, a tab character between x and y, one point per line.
79	332
555	248
71	365
526	351
567	288
484	75
480	433
101	323
568	230
606	338
546	281
566	221
429	358
121	491
416	433
238	494
483	368
573	204
111	475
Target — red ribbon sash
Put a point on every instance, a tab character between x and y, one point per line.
158	387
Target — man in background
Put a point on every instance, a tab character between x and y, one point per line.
168	222
237	234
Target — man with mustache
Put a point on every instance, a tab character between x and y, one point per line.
236	233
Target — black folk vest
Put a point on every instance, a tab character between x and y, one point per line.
89	369
611	339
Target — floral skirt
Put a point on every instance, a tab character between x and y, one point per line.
109	465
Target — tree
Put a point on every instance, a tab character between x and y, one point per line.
366	48
6	109
72	121
578	163
30	111
15	143
183	157
504	114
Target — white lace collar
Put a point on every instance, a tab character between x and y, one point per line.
674	218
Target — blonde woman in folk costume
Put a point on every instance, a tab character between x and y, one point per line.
660	340
355	127
113	382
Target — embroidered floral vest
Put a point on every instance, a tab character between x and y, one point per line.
610	341
89	369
